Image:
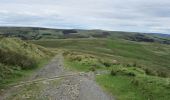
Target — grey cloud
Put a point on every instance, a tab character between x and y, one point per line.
125	15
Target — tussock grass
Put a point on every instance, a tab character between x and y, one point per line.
87	62
135	88
152	56
17	55
125	81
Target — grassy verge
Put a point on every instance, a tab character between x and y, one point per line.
86	62
17	75
73	66
19	58
36	91
135	88
120	87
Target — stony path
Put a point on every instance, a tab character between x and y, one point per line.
54	68
89	90
76	87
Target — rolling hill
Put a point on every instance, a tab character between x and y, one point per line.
17	57
36	33
129	65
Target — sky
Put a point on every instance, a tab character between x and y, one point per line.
151	16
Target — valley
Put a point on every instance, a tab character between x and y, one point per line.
114	65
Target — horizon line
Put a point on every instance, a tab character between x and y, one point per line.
81	29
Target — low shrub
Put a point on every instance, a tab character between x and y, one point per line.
16	59
108	63
135	82
16	56
122	71
150	72
92	69
131	74
128	65
162	74
113	72
5	71
134	64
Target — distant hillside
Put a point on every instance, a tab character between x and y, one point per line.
35	33
127	64
17	55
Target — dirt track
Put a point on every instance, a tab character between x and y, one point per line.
73	87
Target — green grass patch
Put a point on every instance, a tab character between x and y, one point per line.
146	55
10	76
135	88
86	62
120	87
35	91
18	58
74	66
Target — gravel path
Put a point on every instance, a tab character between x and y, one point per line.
89	90
77	87
54	68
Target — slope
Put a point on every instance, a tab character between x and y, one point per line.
17	57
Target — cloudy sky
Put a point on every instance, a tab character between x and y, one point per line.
118	15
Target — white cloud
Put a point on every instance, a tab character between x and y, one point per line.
123	15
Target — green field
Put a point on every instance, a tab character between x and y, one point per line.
138	73
151	56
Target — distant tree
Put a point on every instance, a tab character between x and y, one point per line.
65	32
